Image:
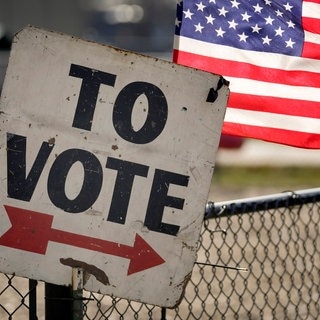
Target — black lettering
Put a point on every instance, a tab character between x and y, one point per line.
156	116
159	199
91	186
91	80
123	187
19	185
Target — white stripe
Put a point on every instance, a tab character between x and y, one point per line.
311	37
262	59
260	88
272	120
310	10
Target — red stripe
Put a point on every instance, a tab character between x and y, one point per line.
311	24
247	70
288	137
314	1
286	106
311	50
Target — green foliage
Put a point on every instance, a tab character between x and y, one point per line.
279	177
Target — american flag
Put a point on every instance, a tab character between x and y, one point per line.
269	50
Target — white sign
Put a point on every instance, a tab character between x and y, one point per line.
106	163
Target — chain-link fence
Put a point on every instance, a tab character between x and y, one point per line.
259	258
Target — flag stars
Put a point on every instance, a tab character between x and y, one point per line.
222	12
269	20
188	14
245	16
266	40
232	24
198	27
260	25
256	29
279	32
289	43
243	37
290	24
200	6
235	4
210	19
288	7
220	32
257	8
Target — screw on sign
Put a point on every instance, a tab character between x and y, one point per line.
107	163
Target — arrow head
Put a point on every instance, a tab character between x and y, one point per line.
30	230
143	256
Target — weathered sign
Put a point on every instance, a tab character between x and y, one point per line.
106	162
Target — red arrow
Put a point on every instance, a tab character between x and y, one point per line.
31	231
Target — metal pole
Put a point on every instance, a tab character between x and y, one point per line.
253	204
77	290
33	299
58	302
163	313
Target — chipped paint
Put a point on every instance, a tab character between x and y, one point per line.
51	141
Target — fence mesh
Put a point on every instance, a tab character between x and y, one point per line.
257	259
17	297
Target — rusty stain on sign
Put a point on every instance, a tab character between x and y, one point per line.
88	270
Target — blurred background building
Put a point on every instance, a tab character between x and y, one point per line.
137	25
144	26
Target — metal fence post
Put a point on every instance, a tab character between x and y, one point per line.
77	290
58	302
163	313
33	299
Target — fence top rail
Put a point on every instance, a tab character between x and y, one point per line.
253	204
